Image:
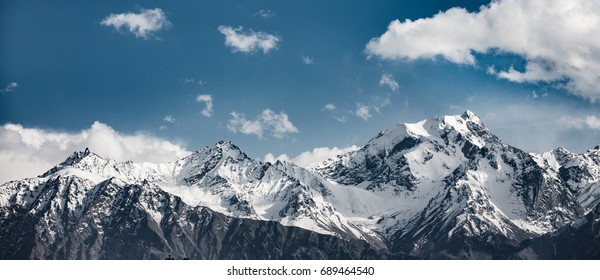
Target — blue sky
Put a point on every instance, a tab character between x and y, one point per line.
294	75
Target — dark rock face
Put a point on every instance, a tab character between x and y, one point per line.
117	223
466	218
578	241
445	188
463	234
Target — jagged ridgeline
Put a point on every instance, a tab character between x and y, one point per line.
440	188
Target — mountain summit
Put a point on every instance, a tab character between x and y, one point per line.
445	187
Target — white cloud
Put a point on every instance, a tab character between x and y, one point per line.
264	14
278	124
329	107
208	101
557	39
239	123
169	119
317	155
142	25
341	119
28	152
533	95
272	158
307	60
192	81
587	122
380	102
312	158
10	87
248	42
388	80
362	111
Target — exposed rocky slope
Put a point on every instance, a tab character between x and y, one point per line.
440	188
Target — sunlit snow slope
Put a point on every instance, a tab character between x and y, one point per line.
442	187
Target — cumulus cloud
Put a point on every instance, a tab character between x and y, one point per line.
248	42
239	123
272	158
556	38
587	122
388	80
28	152
143	24
208	101
9	88
307	60
362	111
278	124
310	159
317	155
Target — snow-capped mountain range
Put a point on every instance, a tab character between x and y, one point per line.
440	188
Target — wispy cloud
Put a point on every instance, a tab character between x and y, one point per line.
362	111
28	152
193	81
169	119
278	124
338	115
248	42
310	159
533	95
329	107
9	88
557	39
379	102
142	24
341	119
265	13
388	80
587	122
207	99
307	60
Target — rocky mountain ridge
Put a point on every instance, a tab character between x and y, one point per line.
440	188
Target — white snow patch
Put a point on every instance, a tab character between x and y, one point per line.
156	215
75	172
417	129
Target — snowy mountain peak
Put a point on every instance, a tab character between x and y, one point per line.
468	115
79	155
227	150
226	145
561	152
467	118
443	178
457	128
73	160
468	122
